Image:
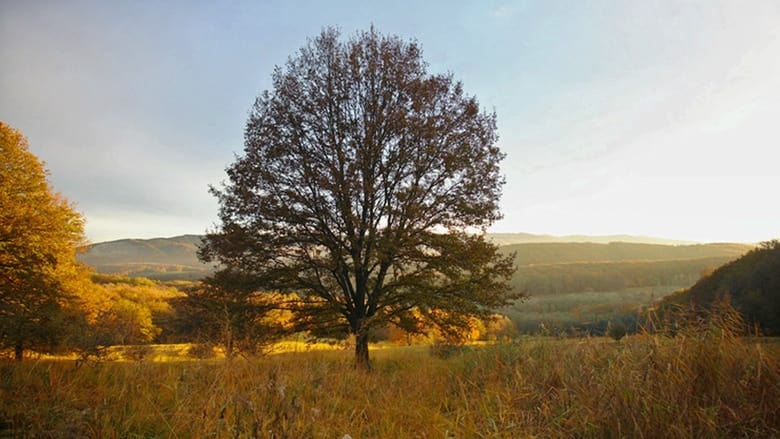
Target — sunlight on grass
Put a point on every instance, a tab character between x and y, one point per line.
700	383
184	351
700	378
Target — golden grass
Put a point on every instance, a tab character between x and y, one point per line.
704	382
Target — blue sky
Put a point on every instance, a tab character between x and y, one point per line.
641	117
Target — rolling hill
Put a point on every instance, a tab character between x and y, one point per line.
579	288
175	258
561	268
587	252
159	258
580	285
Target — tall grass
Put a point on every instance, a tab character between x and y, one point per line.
705	380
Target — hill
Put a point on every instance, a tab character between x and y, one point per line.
567	278
752	284
558	268
584	252
581	285
159	258
175	258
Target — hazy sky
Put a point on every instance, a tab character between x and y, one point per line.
643	117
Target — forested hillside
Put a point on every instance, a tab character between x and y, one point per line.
559	268
570	285
558	252
751	283
160	258
564	278
543	267
585	287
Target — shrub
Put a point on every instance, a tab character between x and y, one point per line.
617	330
201	351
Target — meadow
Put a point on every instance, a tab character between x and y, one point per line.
704	380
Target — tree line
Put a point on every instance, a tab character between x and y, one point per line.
568	278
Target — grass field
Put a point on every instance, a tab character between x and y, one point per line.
703	382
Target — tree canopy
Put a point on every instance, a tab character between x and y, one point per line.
39	232
363	180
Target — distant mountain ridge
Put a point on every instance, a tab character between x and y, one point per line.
157	258
176	257
175	250
528	238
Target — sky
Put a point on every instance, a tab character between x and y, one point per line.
644	117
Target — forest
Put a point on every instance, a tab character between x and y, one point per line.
572	287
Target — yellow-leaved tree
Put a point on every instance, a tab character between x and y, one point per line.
39	233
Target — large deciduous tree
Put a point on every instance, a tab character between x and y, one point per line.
365	187
39	232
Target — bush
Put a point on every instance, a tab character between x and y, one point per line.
617	330
201	351
445	349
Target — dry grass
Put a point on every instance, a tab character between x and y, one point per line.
703	382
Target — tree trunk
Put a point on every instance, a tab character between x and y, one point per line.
19	351
229	344
227	332
361	351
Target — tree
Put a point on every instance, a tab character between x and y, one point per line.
227	310
39	232
366	186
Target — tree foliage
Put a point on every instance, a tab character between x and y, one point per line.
361	176
39	232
